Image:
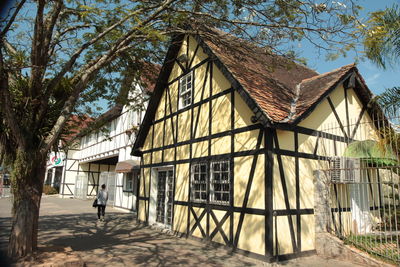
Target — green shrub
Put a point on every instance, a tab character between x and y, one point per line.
48	190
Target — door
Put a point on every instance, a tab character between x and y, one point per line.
360	203
109	179
57	178
81	186
165	189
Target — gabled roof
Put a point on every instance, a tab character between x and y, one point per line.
74	126
149	74
312	89
269	79
279	91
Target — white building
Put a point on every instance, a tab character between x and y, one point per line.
102	157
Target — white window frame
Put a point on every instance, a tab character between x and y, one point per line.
198	173
125	182
186	90
221	182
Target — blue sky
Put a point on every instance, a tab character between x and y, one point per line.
376	78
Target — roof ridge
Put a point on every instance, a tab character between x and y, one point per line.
201	32
293	105
351	65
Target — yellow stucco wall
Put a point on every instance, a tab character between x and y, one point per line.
219	214
290	179
201	83
242	173
180	218
221	145
202	121
252	234
221	113
182	182
184	124
247	140
242	113
199	149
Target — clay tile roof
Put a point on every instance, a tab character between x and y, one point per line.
312	89
269	79
74	126
283	89
149	75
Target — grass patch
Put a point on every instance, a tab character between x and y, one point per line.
384	247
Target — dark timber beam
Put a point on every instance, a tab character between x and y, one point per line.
268	183
248	189
337	117
285	193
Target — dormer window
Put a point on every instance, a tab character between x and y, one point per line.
186	88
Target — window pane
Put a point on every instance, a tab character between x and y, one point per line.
216	167
198	183
217	187
224	166
186	90
220	172
203	168
225	187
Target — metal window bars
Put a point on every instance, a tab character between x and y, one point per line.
363	162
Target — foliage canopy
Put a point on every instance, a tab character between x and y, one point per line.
58	56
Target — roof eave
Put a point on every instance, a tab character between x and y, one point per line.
261	116
157	94
341	79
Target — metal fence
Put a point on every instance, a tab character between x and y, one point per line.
361	159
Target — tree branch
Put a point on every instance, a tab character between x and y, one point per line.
37	70
49	27
11	21
251	23
68	65
6	106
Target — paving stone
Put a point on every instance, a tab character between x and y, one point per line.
119	241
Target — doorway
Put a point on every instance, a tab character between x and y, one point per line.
165	189
109	179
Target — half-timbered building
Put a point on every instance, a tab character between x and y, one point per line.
229	143
102	155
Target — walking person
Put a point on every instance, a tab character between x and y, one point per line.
102	198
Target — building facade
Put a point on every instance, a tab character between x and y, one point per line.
229	143
102	156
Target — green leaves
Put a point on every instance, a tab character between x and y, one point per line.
95	45
382	37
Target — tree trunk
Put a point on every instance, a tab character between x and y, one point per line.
27	185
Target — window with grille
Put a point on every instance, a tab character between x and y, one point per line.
220	182
185	93
199	182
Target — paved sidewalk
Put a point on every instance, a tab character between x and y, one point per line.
119	241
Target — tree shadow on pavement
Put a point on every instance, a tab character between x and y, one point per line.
121	242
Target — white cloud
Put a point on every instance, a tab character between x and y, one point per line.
371	80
